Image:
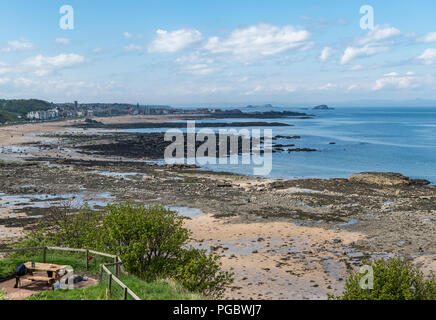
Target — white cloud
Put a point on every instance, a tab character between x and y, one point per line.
287	88
378	34
174	41
133	47
326	53
428	38
392	74
254	90
196	64
127	35
4	70
18	45
394	80
4	80
259	40
373	42
428	56
64	41
272	88
355	52
43	65
198	69
24	82
97	50
356	67
327	86
60	61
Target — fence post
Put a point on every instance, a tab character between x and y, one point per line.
87	259
109	285
117	267
125	293
44	255
101	273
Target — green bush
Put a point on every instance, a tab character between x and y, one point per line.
68	227
151	242
148	239
201	272
394	279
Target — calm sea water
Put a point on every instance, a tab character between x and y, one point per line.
367	139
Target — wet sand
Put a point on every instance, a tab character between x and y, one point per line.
277	260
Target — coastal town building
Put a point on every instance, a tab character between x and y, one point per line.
43	115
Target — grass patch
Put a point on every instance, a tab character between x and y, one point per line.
76	260
157	290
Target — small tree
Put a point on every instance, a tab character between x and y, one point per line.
148	239
201	272
68	227
394	279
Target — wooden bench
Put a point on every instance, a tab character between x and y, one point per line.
31	277
53	273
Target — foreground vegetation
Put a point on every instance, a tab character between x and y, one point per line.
156	290
150	240
394	279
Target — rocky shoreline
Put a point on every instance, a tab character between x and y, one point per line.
174	125
284	238
152	146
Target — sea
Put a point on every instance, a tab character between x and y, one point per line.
372	139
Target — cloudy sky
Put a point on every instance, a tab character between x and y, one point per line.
200	51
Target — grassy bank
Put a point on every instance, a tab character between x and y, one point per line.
157	290
77	261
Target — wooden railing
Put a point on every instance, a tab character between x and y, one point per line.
103	267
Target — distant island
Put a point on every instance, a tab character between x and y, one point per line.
322	107
261	106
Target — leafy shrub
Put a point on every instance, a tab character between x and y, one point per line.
148	239
151	241
201	272
394	279
68	227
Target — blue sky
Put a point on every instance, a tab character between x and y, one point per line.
214	52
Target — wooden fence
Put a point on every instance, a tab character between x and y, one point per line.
103	267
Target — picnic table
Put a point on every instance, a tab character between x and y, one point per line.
53	273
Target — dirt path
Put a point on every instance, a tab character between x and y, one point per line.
29	288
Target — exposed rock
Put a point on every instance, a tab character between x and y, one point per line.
286	137
322	107
385	179
302	150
